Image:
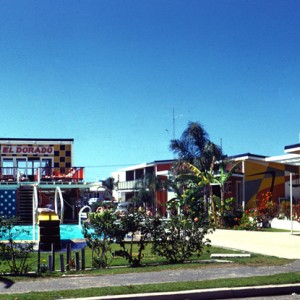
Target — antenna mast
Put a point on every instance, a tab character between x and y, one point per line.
173	123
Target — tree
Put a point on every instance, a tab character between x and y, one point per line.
220	179
109	183
145	191
135	223
100	232
195	180
195	148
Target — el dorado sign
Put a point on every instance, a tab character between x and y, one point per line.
27	150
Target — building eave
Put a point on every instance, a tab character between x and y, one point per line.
292	149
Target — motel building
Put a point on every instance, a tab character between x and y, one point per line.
254	176
39	175
130	179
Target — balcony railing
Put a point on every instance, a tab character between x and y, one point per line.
130	185
45	174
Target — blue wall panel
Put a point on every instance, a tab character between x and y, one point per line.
8	203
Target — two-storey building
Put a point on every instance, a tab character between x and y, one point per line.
129	180
38	173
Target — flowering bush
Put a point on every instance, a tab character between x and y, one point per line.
267	208
255	218
248	221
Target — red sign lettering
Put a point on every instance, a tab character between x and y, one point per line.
28	150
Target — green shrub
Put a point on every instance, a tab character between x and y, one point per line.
180	237
14	254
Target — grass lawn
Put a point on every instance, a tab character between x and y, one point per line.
154	263
150	262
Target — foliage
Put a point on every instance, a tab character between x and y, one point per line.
195	147
14	253
220	177
296	212
106	228
145	188
109	183
232	213
259	216
176	239
181	236
137	222
100	232
248	221
285	209
266	208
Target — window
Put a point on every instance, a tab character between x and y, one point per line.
139	173
7	166
129	175
22	166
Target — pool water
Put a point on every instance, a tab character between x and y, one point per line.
67	232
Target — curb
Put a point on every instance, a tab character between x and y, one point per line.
208	294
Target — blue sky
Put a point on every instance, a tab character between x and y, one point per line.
110	73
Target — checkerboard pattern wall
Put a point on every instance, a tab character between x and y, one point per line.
62	156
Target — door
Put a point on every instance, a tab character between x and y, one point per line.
33	167
46	167
22	169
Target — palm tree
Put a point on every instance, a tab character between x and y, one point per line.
145	190
195	148
199	178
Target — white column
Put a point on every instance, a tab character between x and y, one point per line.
291	201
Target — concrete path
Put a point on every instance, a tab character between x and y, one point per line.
279	244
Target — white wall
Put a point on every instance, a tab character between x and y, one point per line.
285	224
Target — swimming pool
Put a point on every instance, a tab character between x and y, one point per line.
67	232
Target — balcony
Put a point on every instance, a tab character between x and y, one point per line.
130	185
41	175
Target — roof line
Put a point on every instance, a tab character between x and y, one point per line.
36	139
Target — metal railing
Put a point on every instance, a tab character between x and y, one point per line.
130	185
41	174
58	196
